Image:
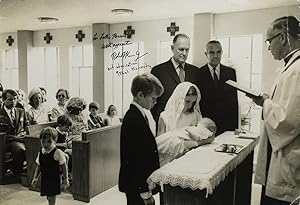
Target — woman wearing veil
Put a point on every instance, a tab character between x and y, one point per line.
180	125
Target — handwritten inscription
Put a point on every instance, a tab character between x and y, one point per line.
115	45
125	61
132	62
124	54
96	36
132	68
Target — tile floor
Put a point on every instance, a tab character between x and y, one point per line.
16	194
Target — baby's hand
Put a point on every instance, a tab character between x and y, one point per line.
34	182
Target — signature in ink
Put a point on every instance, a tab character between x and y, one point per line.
139	56
124	54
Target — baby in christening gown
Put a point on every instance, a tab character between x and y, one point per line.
175	143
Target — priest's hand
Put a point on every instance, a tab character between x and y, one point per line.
259	100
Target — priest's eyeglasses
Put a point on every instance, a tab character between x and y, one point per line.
269	40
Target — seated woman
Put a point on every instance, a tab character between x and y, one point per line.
111	118
182	111
74	108
36	113
62	96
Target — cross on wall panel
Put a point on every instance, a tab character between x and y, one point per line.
80	35
10	41
129	32
172	29
48	38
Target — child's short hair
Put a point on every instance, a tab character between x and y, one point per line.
94	105
64	120
49	133
147	84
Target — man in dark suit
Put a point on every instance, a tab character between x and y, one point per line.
13	121
173	72
218	100
139	155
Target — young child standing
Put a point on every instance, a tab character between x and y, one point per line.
94	121
139	155
50	162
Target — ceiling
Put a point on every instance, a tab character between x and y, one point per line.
22	14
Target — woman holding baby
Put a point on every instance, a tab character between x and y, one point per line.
181	126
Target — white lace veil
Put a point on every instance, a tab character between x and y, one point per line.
176	103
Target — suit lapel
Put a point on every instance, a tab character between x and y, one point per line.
17	116
172	71
208	73
4	113
141	116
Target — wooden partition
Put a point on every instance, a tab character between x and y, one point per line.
2	156
33	146
95	162
37	128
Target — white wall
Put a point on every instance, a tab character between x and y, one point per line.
3	38
254	22
151	32
63	38
4	46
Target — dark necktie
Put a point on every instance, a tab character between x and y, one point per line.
216	79
13	119
181	73
147	121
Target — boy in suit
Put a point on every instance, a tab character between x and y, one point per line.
13	121
139	156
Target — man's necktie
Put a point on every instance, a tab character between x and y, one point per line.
147	121
181	73
216	79
13	119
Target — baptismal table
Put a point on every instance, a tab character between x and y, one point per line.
206	177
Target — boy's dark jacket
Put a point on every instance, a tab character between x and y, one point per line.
139	155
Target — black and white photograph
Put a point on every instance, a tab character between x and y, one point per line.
128	102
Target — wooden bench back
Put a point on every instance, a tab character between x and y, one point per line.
37	128
98	163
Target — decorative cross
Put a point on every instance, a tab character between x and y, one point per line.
129	32
80	36
172	29
9	40
48	38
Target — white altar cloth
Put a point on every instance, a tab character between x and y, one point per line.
203	168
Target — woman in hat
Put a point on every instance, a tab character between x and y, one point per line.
37	113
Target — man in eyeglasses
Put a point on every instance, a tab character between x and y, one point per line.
278	165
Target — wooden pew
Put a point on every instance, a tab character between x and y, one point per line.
33	146
95	162
2	156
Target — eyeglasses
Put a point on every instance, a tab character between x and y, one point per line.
61	96
269	40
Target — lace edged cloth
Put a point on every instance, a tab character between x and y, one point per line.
203	168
